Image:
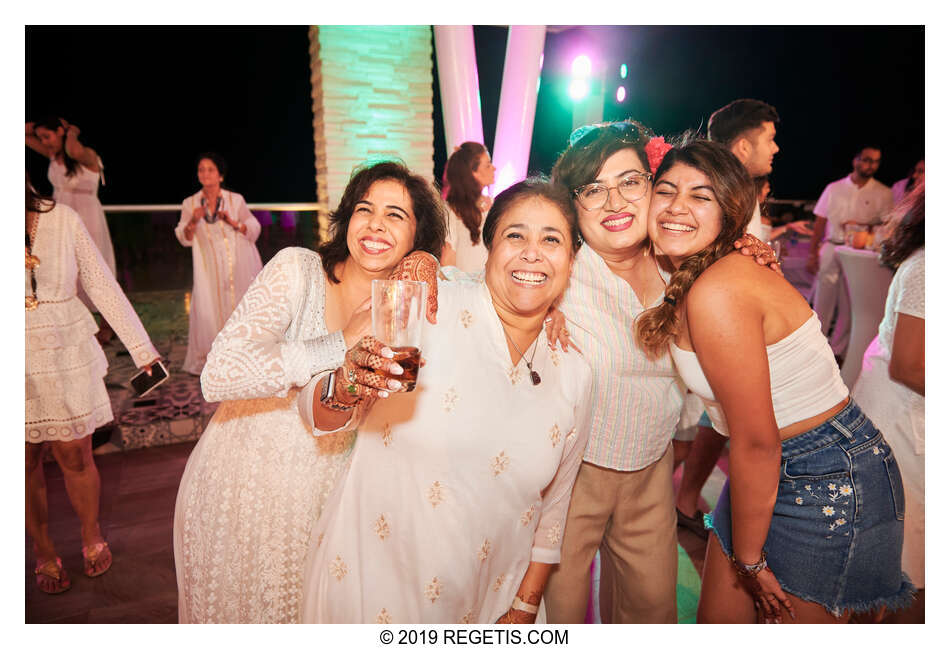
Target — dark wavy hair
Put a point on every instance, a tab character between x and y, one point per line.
36	202
908	236
533	187
51	123
735	193
590	146
463	189
427	207
218	161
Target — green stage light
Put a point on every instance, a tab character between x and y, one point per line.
578	89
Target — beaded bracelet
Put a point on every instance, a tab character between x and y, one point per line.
749	570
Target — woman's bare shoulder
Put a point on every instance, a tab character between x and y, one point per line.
733	279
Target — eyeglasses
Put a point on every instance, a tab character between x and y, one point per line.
593	196
585	135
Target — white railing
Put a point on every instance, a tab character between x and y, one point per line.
274	207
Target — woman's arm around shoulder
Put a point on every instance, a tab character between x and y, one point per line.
252	357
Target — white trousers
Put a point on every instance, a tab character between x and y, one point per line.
830	294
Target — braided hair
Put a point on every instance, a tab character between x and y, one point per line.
735	193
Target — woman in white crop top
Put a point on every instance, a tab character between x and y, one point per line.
802	453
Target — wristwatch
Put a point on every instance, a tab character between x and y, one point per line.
327	398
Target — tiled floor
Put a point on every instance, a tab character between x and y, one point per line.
137	508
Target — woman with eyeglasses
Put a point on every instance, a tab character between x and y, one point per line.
622	502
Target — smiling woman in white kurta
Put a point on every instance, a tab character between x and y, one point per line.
225	261
458	491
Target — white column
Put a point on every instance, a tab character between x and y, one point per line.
519	98
458	85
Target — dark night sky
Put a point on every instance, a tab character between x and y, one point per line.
151	99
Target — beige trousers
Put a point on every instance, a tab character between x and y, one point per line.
630	517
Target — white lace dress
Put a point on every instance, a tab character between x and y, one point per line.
257	479
225	263
66	397
81	192
897	410
456	486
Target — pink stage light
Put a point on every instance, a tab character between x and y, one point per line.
581	66
621	94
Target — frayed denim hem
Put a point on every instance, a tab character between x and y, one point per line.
902	599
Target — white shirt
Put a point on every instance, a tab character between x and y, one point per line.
755	227
455	487
843	201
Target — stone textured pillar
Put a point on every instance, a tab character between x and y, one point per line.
372	99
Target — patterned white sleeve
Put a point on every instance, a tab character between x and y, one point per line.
104	291
251	357
557	496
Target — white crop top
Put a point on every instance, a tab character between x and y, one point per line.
802	370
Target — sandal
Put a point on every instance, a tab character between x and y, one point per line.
692	523
51	577
94	554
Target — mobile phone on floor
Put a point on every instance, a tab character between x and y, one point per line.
142	383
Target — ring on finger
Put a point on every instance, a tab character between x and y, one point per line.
351	382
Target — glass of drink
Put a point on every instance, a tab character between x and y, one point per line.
776	247
399	309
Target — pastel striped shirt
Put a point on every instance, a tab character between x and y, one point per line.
637	401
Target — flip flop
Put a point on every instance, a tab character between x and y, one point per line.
51	577
92	554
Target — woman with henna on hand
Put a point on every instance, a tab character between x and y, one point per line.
790	542
453	508
257	480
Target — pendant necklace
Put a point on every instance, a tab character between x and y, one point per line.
32	261
535	377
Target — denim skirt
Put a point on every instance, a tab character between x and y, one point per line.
838	524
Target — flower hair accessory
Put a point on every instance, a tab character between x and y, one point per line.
656	150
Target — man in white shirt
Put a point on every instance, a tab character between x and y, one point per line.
747	127
858	198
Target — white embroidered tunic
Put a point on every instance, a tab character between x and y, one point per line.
257	479
225	263
455	487
66	397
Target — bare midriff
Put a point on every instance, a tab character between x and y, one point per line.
805	425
